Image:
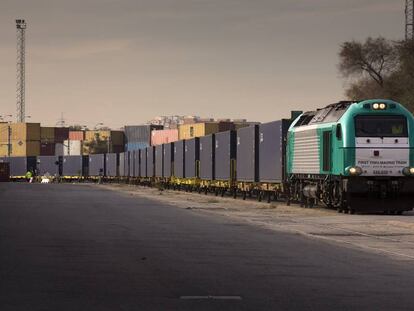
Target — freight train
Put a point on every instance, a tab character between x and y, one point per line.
351	156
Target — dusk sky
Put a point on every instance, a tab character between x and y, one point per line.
124	62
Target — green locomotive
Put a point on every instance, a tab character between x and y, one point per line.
353	156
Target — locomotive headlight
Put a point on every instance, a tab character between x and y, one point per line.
408	171
354	170
376	106
382	106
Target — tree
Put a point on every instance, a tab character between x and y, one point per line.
375	58
97	145
77	127
379	68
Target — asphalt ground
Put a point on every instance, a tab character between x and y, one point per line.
76	247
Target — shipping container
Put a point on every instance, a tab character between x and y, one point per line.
47	134
4	132
47	148
226	126
136	146
19	166
143	162
97	165
25	131
25	148
164	137
272	150
188	131
118	148
192	157
49	165
140	133
168	160
150	161
225	155
122	172
127	172
4	172
73	147
136	163
112	162
59	149
61	134
159	161
248	154
76	135
75	166
207	152
179	159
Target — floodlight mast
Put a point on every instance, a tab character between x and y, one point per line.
20	74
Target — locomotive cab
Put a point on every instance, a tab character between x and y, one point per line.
353	156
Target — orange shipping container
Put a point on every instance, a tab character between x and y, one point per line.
77	135
163	137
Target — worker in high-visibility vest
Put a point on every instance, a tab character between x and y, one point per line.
29	176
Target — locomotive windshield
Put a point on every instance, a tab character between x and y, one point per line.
381	126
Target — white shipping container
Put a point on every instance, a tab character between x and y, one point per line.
58	149
72	147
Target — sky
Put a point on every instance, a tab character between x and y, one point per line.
123	62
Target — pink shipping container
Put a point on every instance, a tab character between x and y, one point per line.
163	137
76	135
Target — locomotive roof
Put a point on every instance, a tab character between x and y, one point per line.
330	113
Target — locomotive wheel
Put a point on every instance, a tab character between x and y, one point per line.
244	195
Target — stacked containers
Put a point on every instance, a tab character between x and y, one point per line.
248	154
168	159
159	161
150	162
47	141
49	165
192	157
272	149
164	137
24	139
77	135
143	162
225	155
75	166
96	165
139	136
207	155
62	135
112	162
179	159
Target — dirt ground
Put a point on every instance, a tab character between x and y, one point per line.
388	235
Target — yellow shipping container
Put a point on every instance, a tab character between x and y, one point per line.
25	148
47	134
3	132
3	150
25	131
187	131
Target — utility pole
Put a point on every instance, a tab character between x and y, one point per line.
9	146
409	20
21	64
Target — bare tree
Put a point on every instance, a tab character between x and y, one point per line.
376	57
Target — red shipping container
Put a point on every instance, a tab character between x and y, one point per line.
163	137
76	135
